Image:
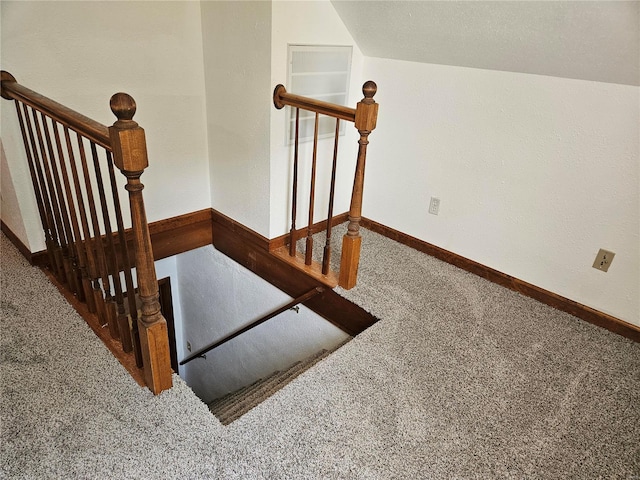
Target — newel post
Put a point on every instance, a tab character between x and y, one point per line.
366	116
130	156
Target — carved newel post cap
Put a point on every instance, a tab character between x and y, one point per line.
127	137
123	107
369	89
367	109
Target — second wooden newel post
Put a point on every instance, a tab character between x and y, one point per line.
365	122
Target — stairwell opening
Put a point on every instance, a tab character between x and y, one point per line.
217	296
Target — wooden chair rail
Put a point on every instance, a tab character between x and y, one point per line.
94	131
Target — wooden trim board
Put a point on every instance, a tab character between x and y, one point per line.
282	240
169	237
549	298
37	259
252	250
181	234
186	232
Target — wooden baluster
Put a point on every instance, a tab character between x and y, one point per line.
76	253
111	262
137	341
101	293
308	254
66	235
326	257
294	198
123	321
365	122
29	145
49	228
130	156
84	244
71	218
51	201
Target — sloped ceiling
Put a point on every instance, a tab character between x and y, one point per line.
589	40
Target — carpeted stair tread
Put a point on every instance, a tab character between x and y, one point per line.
268	388
222	402
234	405
247	402
243	395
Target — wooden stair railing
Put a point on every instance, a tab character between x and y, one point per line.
71	161
364	117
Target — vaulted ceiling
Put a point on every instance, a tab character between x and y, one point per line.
589	40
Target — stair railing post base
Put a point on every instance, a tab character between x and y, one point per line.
349	261
155	355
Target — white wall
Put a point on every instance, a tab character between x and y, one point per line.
9	204
309	23
80	53
534	174
245	57
237	38
218	296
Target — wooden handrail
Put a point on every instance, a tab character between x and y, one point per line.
94	131
364	117
296	301
281	98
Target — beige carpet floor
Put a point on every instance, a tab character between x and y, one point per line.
460	379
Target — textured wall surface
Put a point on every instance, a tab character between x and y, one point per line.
534	174
596	40
81	53
309	23
237	39
9	205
